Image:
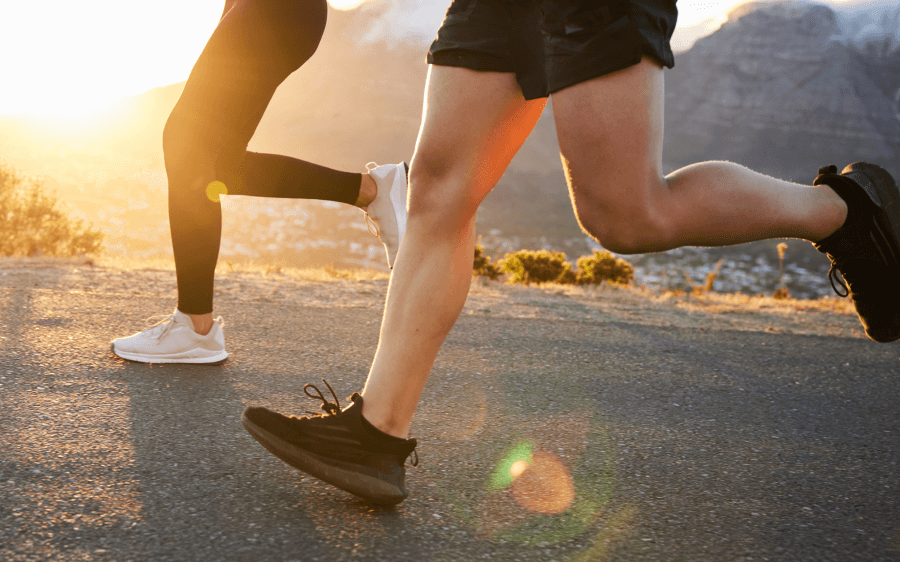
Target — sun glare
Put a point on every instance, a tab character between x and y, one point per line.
74	57
63	57
346	4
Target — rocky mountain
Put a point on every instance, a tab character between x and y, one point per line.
781	87
776	89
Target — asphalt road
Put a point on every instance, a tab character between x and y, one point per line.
637	442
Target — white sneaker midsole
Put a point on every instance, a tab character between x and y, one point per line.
184	357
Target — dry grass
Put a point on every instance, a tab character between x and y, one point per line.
696	300
329	287
720	302
640	305
322	274
128	264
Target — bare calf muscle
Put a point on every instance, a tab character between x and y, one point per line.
437	248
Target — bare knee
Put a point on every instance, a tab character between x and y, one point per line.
623	227
614	234
440	194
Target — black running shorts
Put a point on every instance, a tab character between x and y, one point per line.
553	44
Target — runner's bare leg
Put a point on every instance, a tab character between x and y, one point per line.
611	135
473	124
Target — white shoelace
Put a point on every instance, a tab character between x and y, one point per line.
163	326
370	224
166	322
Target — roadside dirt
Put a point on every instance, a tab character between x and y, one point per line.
327	287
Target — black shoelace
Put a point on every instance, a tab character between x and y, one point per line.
832	278
335	408
330	409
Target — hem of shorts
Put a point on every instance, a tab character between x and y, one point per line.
603	71
526	92
473	60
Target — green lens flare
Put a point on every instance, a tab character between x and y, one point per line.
503	475
214	189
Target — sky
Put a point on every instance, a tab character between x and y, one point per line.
60	56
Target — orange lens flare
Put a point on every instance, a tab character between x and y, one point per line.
542	485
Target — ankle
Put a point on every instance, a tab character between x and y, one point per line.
203	323
386	424
833	218
368	189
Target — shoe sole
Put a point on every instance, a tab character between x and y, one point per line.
883	191
367	487
217	359
881	188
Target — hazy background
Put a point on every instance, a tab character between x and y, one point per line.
61	56
783	87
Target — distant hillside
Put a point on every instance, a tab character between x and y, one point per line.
783	88
775	89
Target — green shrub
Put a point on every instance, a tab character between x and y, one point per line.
603	266
550	266
30	223
541	266
482	265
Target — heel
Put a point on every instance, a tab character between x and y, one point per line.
882	189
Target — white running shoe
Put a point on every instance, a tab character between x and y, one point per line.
174	341
386	214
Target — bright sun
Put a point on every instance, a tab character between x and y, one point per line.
62	57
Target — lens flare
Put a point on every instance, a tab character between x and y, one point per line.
455	426
552	479
519	455
544	486
517	469
537	480
214	190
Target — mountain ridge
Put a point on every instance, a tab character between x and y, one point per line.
778	88
801	97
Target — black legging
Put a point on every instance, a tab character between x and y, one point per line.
256	45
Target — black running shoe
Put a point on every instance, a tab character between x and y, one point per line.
339	447
866	249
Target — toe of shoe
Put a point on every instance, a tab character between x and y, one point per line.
883	333
255	413
263	417
122	344
880	316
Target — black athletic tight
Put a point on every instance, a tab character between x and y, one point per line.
256	45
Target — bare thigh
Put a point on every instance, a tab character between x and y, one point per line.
473	124
610	132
